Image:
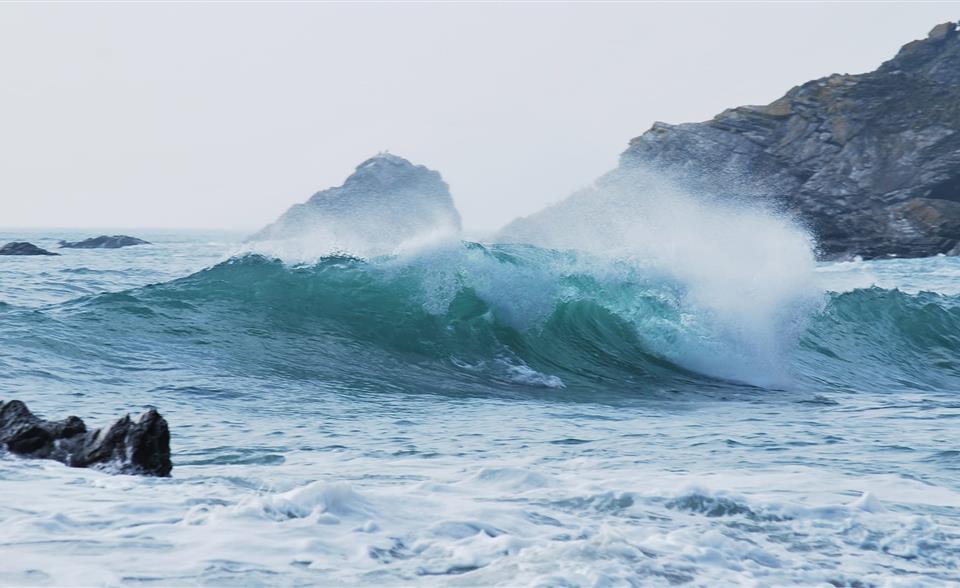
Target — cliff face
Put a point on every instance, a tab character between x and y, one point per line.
870	162
385	203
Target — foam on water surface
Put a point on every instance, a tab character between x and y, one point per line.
633	504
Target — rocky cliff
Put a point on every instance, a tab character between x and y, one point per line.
870	163
386	203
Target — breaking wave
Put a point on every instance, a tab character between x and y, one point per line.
476	317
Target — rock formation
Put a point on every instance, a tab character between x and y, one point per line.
386	203
870	163
126	446
104	242
23	248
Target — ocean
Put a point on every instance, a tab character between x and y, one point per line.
476	414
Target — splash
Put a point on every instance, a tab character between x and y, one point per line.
745	271
736	278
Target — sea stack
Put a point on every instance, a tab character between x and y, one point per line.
386	202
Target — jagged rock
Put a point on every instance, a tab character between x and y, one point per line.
386	202
869	162
23	248
104	242
127	446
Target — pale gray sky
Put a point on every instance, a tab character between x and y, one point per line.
222	115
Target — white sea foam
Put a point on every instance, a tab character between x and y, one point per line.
515	525
309	246
940	274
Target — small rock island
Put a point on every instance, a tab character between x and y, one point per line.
104	242
385	202
23	248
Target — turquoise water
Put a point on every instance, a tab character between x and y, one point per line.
481	414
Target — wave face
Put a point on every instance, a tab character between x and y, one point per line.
885	339
478	318
475	315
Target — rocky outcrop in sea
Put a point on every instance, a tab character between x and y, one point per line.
870	163
126	446
24	248
387	202
104	242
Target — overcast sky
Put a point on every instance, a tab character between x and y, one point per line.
222	115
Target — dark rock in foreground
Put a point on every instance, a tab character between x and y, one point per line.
870	162
24	248
104	242
127	446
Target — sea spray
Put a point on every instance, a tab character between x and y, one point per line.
736	277
745	271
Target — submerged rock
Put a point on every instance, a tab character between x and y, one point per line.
24	248
869	162
104	242
386	203
126	446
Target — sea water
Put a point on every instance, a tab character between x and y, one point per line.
485	414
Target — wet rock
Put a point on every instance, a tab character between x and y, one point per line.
23	248
104	242
126	446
